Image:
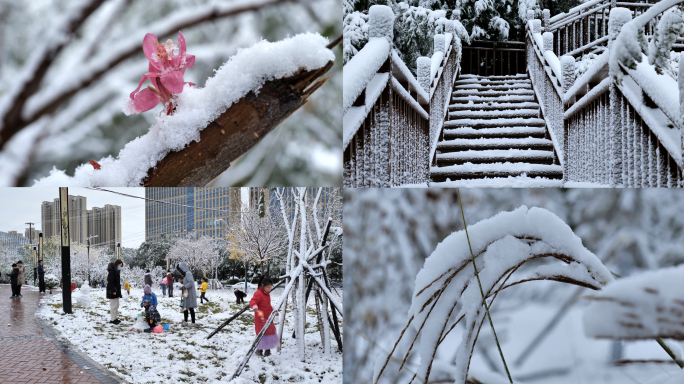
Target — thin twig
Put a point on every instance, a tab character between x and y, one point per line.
484	298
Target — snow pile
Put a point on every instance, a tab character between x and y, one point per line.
247	71
500	244
82	296
643	306
381	20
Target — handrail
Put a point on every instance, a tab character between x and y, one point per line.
576	9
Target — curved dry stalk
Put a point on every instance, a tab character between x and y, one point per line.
389	357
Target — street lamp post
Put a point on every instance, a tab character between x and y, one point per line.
88	239
118	251
35	265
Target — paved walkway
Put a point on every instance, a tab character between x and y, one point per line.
30	351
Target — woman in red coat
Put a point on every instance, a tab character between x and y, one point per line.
261	304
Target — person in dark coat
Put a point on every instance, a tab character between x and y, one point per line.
14	276
20	279
41	276
148	278
114	289
239	295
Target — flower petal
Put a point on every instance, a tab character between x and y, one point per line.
181	43
173	81
144	101
149	47
189	61
149	75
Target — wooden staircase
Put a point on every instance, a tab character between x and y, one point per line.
494	129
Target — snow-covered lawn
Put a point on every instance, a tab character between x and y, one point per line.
184	354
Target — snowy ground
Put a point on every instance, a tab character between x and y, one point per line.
183	354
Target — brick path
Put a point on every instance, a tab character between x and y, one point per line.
31	354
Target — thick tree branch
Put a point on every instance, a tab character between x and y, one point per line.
99	66
236	131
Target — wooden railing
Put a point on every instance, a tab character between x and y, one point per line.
392	121
610	133
491	58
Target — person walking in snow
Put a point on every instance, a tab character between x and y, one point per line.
114	289
169	283
127	288
261	305
203	290
148	278
20	279
13	280
41	276
190	302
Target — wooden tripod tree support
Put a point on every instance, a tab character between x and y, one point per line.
237	130
302	268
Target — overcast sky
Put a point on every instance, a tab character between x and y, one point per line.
22	205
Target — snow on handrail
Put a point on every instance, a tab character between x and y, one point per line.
355	116
583	80
403	93
402	73
576	9
588	98
359	71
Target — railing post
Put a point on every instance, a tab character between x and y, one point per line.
681	105
568	74
547	18
548	41
439	43
530	15
536	26
381	22
423	65
615	23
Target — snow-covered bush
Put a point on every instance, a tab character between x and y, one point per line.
671	25
51	281
355	34
528	5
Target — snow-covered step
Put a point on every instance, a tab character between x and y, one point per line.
479	77
495	143
496	114
495	170
493	93
495	156
492	106
492	82
494	123
502	87
490	99
503	132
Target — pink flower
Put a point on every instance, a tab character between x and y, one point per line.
166	70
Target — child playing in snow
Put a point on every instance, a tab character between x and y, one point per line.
127	287
239	296
203	290
149	295
149	302
261	304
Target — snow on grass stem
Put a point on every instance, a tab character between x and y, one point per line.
670	352
484	298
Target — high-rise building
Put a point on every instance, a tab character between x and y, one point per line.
105	223
15	233
78	219
179	211
33	235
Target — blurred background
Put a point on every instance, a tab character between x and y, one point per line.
389	233
88	122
